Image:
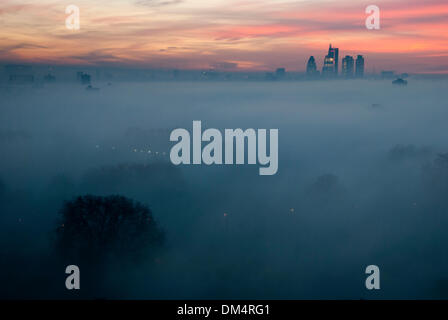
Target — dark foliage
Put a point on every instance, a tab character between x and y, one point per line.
403	152
326	185
97	229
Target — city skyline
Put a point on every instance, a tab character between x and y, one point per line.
230	35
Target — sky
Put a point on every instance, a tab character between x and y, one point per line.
228	35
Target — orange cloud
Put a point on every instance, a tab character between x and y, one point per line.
237	34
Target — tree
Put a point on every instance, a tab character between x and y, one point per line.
97	229
326	185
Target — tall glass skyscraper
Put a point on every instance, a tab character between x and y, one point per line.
311	69
360	66
331	63
348	67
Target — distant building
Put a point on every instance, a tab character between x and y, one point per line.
335	53
270	76
387	74
348	66
90	88
311	68
21	78
400	82
280	73
328	68
82	77
359	66
331	63
209	75
85	78
19	74
49	78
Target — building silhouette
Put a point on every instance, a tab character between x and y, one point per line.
49	77
328	68
348	66
311	68
334	52
85	78
388	74
400	82
280	73
331	63
19	74
82	77
360	66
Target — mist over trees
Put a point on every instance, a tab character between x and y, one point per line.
355	186
159	178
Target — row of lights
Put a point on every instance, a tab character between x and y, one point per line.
137	150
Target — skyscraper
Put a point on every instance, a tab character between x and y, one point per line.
311	69
334	52
331	63
359	66
348	67
328	68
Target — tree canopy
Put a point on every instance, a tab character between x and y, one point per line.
94	228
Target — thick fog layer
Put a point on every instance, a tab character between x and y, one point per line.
361	180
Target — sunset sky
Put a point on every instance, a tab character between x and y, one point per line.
225	34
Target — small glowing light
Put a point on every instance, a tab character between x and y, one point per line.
292	210
225	214
135	150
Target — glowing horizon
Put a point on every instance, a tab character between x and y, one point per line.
226	34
